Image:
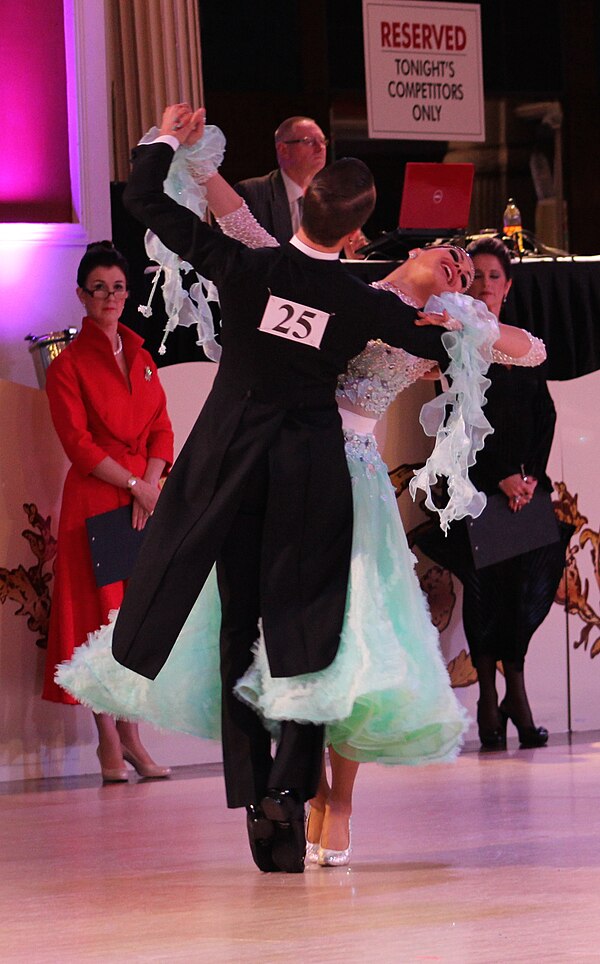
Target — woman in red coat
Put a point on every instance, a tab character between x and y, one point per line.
109	410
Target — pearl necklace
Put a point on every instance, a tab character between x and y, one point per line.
120	348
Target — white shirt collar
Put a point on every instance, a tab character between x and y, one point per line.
312	252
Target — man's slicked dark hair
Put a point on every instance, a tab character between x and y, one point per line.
338	200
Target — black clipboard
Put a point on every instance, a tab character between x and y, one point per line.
114	544
499	534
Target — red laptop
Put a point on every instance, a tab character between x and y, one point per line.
436	198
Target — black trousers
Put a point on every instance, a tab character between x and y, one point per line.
249	766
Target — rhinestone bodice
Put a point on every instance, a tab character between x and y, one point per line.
374	378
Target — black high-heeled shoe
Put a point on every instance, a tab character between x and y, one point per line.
530	737
492	738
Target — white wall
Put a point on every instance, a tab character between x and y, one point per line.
38	738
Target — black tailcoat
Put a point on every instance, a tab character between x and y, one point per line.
272	398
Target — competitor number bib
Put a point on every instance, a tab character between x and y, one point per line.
297	323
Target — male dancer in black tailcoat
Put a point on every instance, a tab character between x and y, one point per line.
262	486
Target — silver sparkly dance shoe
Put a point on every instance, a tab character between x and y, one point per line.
312	849
312	853
336	858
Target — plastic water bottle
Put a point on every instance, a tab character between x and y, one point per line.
513	227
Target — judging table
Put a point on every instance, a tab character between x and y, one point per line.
559	300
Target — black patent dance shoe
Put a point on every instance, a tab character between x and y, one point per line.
289	843
261	833
492	738
530	737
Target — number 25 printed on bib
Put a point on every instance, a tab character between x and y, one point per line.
297	323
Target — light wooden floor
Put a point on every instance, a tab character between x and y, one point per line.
493	859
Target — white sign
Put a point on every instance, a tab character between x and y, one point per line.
297	323
423	70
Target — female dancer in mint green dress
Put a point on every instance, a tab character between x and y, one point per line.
386	697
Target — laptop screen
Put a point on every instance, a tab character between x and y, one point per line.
436	197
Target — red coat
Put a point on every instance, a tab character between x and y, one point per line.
96	414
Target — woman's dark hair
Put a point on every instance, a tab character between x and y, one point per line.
100	254
338	200
496	248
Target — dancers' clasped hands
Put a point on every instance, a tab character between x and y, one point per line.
180	121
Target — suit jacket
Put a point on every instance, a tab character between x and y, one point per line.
272	395
268	201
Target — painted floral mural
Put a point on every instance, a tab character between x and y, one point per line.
29	587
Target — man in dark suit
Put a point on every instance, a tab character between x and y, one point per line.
262	485
276	198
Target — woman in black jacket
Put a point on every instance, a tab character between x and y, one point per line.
504	603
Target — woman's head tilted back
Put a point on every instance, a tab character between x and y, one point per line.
456	263
339	199
100	254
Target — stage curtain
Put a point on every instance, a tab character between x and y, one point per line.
153	60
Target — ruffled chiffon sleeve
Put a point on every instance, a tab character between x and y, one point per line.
190	168
455	418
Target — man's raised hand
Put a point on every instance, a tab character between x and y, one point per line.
178	120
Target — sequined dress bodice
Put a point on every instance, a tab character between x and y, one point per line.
374	378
